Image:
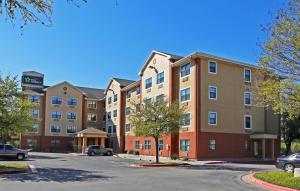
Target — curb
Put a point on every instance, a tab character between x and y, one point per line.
217	162
156	165
252	180
17	171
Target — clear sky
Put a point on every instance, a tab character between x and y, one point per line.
89	45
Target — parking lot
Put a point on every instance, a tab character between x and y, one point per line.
70	172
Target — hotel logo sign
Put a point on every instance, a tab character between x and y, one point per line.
33	80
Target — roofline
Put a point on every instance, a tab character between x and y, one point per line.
130	86
149	57
65	82
202	54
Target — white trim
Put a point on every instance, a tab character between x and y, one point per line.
209	112
74	99
163	77
146	83
188	87
87	104
208	64
245	75
38	113
55	132
61	115
186	126
87	117
70	126
71	112
56	96
216	92
180	70
247	92
250	122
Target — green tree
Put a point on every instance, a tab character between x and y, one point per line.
279	82
15	115
290	131
156	119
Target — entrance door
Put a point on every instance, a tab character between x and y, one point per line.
90	141
257	149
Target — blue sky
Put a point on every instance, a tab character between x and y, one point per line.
89	45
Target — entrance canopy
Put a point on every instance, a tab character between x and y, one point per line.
260	143
263	136
92	132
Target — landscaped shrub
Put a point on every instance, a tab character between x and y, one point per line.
133	152
185	158
174	156
279	178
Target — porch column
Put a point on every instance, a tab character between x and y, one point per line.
273	148
79	144
102	141
84	143
264	148
96	141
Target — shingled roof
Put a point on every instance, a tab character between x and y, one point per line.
123	82
92	93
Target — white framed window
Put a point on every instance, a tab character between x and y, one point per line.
247	121
127	127
185	95
148	102
212	92
56	115
56	100
148	83
55	128
35	127
247	75
186	120
109	100
92	117
71	115
160	98
34	99
185	70
127	111
212	67
160	77
115	113
247	98
137	145
115	97
114	130
212	144
72	101
92	104
71	129
128	94
160	144
109	115
212	118
184	144
147	145
35	113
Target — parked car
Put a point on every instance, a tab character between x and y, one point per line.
9	151
288	163
93	150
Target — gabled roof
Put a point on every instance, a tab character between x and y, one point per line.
122	82
132	85
169	56
65	82
93	93
206	55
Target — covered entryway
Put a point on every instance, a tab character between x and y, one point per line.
89	136
264	144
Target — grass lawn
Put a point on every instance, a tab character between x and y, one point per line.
279	178
12	166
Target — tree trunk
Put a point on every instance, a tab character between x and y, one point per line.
156	150
288	145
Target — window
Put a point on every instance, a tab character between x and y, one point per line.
247	146
91	104
185	94
35	127
186	119
127	127
160	144
114	129
147	145
72	101
160	98
127	110
115	113
35	113
56	100
9	147
31	143
34	99
92	117
138	107
148	83
184	144
148	102
137	144
71	129
212	92
248	122
247	98
55	144
212	67
160	78
55	129
128	94
109	100
115	97
185	70
212	144
212	118
138	90
104	117
109	115
109	129
56	115
71	115
247	75
1	147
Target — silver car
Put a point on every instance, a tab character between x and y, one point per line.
9	151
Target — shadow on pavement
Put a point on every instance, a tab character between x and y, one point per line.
42	157
60	175
219	167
